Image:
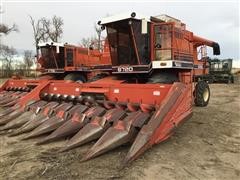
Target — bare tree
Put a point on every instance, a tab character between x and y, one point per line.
85	42
28	60
8	54
57	28
53	28
45	29
93	42
38	32
5	29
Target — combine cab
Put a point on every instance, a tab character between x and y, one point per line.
149	94
69	62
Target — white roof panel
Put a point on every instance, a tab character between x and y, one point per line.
122	16
51	43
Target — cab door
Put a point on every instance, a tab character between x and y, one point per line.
162	42
69	56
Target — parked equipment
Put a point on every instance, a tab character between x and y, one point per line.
69	62
220	71
149	94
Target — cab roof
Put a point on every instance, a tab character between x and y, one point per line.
51	44
123	16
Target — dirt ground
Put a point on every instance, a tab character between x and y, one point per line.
206	147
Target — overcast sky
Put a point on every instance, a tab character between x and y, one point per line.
218	21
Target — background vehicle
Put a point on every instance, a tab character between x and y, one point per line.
220	71
69	62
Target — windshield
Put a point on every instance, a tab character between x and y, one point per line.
122	35
51	59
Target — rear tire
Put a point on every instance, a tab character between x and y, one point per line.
75	77
232	79
202	94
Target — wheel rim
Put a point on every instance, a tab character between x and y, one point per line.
205	94
79	81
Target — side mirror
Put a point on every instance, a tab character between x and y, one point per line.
216	49
144	26
57	49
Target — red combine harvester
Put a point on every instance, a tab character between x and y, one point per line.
69	62
149	94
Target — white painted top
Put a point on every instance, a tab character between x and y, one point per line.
123	16
51	43
167	18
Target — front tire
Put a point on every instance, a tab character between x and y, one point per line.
163	78
75	77
202	94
